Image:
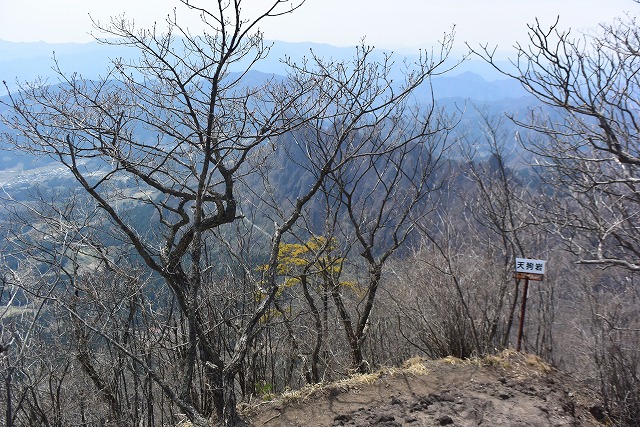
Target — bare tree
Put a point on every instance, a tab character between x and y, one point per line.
382	197
32	368
159	149
390	152
504	202
169	132
463	297
587	141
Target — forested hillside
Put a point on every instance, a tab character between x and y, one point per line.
183	234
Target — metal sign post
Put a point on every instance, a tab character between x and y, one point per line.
527	269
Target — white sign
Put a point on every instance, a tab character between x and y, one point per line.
534	266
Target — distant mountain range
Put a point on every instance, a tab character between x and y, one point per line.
473	79
471	84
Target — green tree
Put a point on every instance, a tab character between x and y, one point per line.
311	269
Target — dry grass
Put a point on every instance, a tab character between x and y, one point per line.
511	359
416	366
184	423
451	360
539	364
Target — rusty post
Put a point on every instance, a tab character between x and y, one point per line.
523	308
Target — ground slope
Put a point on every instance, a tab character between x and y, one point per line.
513	389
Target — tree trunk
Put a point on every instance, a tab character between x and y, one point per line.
315	355
230	415
8	408
357	362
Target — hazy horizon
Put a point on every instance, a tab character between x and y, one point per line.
405	26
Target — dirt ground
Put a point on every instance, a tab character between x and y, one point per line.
513	389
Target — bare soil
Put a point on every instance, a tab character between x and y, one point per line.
513	389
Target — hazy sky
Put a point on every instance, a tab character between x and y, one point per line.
398	24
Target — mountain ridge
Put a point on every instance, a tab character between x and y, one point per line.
29	60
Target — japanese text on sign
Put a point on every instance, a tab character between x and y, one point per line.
535	266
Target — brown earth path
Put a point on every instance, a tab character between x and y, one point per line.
513	389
